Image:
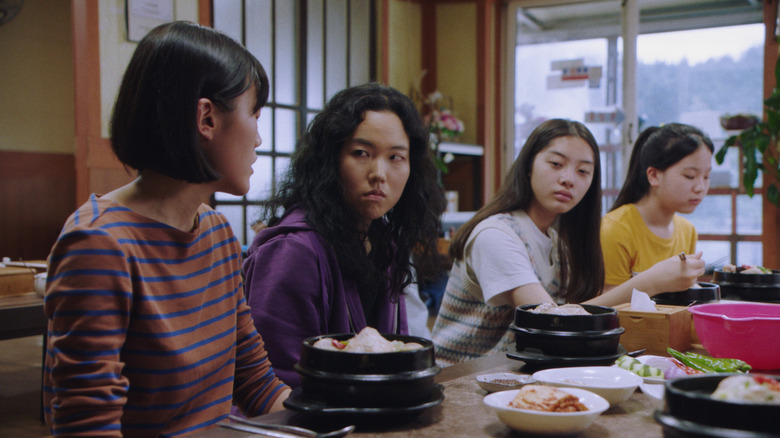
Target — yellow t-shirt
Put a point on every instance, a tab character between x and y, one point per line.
630	247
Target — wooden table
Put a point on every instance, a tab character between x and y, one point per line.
463	414
21	315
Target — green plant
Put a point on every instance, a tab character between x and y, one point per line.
759	146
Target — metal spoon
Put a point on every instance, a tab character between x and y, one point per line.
297	431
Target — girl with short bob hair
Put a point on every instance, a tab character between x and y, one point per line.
359	200
537	241
668	173
149	332
153	125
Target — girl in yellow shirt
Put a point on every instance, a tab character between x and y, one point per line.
669	173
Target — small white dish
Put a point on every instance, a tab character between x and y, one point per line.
494	382
655	391
614	384
548	423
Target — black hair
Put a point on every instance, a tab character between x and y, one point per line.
659	147
153	124
410	229
582	266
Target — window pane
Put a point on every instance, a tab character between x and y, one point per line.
726	174
749	220
359	60
253	215
714	251
749	253
260	181
285	130
713	215
542	92
335	46
259	35
234	215
282	164
697	76
286	51
228	18
264	127
315	95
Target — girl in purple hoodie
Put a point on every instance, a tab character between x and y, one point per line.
358	210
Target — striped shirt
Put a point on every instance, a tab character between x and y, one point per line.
149	331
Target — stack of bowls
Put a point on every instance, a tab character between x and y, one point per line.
748	287
339	378
571	336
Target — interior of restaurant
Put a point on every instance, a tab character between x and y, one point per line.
62	63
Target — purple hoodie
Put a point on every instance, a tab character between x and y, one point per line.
295	289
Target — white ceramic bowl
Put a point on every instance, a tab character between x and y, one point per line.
614	384
494	382
40	284
548	423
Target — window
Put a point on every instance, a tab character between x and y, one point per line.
695	63
310	49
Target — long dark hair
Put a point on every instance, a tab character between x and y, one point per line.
410	228
659	147
582	266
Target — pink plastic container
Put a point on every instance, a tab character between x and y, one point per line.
740	330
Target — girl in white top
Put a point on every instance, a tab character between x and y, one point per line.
537	241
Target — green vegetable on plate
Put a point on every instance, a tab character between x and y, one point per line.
638	368
710	364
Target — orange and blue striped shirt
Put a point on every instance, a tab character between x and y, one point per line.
149	331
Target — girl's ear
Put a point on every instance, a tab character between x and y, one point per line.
653	176
206	118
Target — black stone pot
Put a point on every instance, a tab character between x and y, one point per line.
706	293
600	319
690	409
748	287
566	343
342	378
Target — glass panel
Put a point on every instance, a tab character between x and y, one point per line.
259	35
253	215
286	52
749	220
264	127
227	17
714	251
713	215
544	92
234	215
281	166
285	130
314	55
359	41
260	181
726	174
697	76
335	46
222	196
750	253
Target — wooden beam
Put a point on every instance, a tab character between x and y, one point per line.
771	214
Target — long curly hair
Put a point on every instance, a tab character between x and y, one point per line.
582	266
408	231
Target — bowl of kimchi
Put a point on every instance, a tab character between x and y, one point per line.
550	413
